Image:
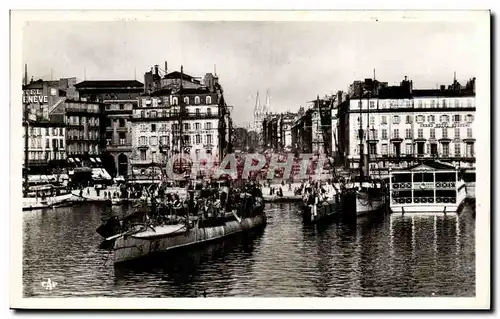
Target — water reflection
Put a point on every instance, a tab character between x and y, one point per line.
393	255
183	273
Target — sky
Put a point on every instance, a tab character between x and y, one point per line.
293	61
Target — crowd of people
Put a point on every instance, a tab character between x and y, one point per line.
208	202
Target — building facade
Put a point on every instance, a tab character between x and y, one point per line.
118	97
277	131
401	126
340	101
46	145
192	120
312	130
41	97
84	129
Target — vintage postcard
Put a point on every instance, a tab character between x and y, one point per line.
250	159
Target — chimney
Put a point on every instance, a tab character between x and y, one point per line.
166	68
156	69
26	74
442	87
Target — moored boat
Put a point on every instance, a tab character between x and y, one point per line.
369	196
317	207
432	186
181	229
46	196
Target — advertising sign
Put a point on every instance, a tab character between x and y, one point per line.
34	96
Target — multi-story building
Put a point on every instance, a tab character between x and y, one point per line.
340	101
185	116
287	121
311	132
41	97
119	97
45	144
401	125
83	128
302	132
277	131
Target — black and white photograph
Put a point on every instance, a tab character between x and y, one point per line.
197	159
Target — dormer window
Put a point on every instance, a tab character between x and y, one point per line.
175	101
197	100
186	100
208	100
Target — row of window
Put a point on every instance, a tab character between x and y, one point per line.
121	106
165	140
37	143
168	113
47	131
80	148
458	103
121	141
430	149
396	119
120	122
175	101
82	120
45	155
83	107
175	127
78	134
373	133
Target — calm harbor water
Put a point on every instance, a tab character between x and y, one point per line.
393	256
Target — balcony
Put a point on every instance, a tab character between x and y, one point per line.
118	147
140	162
81	110
75	125
174	116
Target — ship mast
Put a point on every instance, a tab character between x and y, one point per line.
26	129
360	133
368	135
325	147
181	114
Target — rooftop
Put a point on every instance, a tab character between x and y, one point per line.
168	91
442	93
177	75
431	165
110	84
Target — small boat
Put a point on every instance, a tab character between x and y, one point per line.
369	196
325	209
32	201
185	230
431	186
315	209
